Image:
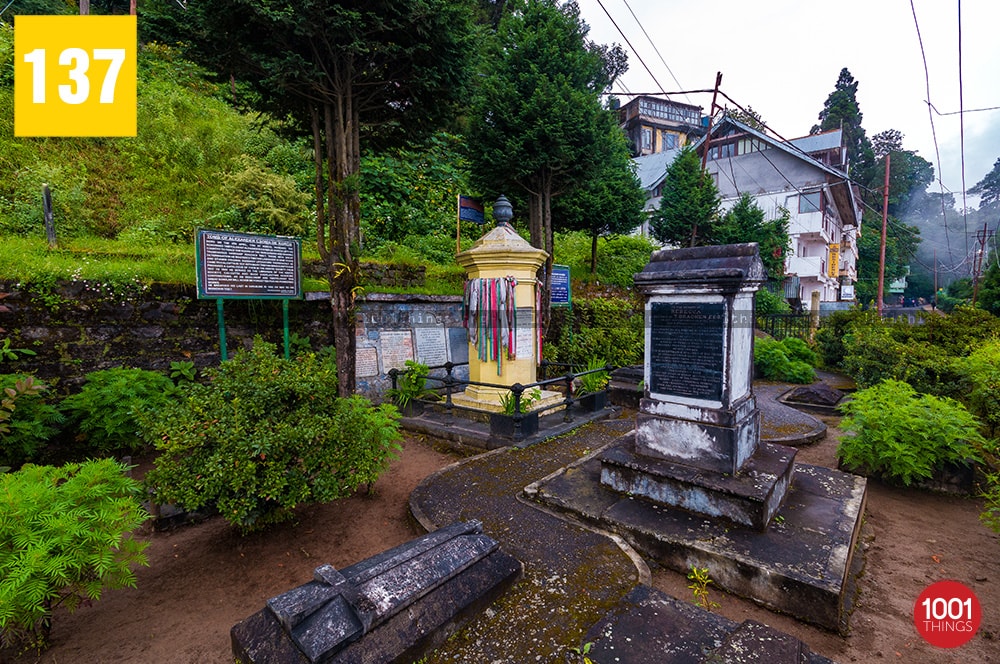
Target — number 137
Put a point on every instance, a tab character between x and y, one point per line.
79	60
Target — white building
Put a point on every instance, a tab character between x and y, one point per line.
807	177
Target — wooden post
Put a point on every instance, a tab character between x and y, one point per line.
84	7
881	253
131	7
50	224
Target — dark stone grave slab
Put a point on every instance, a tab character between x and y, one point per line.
650	626
388	608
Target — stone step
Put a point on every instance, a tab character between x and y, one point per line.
749	498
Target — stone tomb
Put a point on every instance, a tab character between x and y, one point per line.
391	607
692	484
697	436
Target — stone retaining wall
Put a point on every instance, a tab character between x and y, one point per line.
74	329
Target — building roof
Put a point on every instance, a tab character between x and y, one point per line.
838	181
652	168
827	140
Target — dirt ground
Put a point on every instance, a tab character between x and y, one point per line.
203	579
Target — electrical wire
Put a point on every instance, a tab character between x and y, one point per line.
650	40
6	8
937	151
961	126
968	110
615	23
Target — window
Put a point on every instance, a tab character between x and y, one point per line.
811	202
647	138
669	141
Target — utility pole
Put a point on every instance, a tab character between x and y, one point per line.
977	262
934	301
708	143
881	251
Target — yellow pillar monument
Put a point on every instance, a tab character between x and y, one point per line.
498	254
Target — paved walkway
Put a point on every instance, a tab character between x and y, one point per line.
572	575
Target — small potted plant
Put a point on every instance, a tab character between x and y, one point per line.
505	424
592	390
411	385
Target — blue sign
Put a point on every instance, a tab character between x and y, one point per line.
560	286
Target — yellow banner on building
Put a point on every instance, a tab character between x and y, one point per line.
833	268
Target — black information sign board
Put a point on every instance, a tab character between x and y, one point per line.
686	349
245	265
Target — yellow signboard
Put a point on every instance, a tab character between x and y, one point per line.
75	76
833	268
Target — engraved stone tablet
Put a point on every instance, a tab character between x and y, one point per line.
397	348
458	344
525	334
366	361
686	349
431	348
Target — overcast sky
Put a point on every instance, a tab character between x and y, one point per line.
782	57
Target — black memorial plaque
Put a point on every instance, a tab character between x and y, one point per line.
686	349
244	265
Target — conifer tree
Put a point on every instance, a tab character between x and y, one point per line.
689	207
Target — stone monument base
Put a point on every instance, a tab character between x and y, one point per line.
487	399
749	498
804	564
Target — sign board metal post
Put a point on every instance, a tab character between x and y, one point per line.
248	266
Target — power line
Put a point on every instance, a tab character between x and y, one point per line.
650	40
615	23
961	126
937	151
968	110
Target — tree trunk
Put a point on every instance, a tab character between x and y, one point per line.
336	155
593	254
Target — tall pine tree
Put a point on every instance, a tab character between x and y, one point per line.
841	111
689	207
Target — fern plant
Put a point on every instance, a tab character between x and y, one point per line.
105	412
66	536
411	384
27	422
902	435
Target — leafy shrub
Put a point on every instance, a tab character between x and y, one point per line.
106	410
29	422
957	333
896	433
991	506
875	354
265	434
787	360
767	303
65	536
619	257
834	328
598	327
797	349
981	373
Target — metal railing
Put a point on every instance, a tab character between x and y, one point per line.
450	385
780	326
